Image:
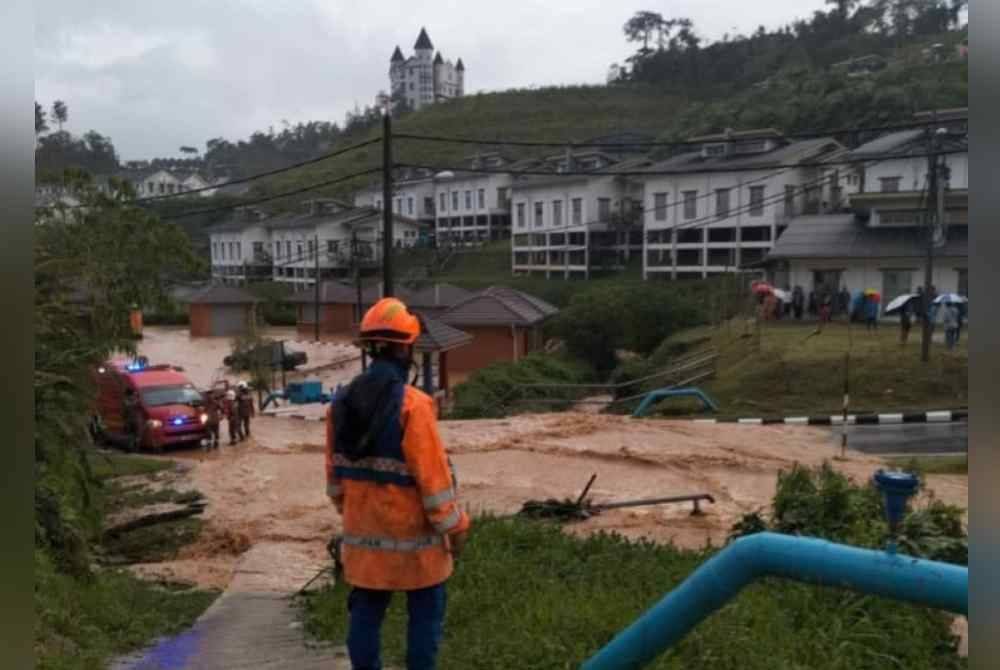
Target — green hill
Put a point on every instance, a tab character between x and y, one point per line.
796	101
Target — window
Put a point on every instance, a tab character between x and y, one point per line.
222	250
577	210
603	209
557	239
399	205
444	202
689	236
889	184
232	251
170	188
468	199
378	204
715	149
896	282
258	249
454	199
557	212
481	198
428	205
520	215
690	204
298	251
331	246
502	197
963	281
756	201
755	233
721	235
660	206
288	249
312	248
277	249
539	217
789	200
163	187
721	203
409	205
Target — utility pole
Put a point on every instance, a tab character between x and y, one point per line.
387	288
356	262
316	290
933	212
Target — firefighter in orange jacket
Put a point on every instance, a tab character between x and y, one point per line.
390	479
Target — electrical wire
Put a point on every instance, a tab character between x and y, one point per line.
675	144
277	196
658	173
260	175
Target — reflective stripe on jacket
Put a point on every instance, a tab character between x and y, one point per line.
398	503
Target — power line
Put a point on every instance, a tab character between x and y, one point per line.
680	143
260	175
660	173
277	196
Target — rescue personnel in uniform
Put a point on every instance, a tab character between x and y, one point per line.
214	412
244	405
132	418
230	409
390	479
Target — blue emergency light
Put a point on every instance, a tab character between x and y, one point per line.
178	421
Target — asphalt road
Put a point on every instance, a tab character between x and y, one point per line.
906	438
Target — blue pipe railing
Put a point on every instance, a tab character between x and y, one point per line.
940	585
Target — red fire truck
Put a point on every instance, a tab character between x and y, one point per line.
142	406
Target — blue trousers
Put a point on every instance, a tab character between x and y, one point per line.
423	635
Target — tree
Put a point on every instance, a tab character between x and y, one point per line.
41	124
60	113
91	265
641	27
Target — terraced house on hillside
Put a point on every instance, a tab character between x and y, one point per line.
721	203
875	234
572	225
288	248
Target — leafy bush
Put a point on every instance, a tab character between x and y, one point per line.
823	502
493	391
601	320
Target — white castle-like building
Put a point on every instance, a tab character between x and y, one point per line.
425	77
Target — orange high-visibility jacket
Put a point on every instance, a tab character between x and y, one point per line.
398	505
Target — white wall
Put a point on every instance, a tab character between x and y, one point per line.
913	172
861	274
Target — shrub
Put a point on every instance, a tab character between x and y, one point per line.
494	391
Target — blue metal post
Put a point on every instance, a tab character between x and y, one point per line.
717	581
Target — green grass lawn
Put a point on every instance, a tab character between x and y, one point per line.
794	371
526	595
82	621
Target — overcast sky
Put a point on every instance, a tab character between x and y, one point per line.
155	76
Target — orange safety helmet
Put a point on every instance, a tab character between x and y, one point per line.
389	320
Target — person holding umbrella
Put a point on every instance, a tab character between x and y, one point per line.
871	309
905	304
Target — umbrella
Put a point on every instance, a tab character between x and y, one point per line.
899	302
783	296
951	298
761	287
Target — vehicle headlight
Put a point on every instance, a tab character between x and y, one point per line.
203	418
154	423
